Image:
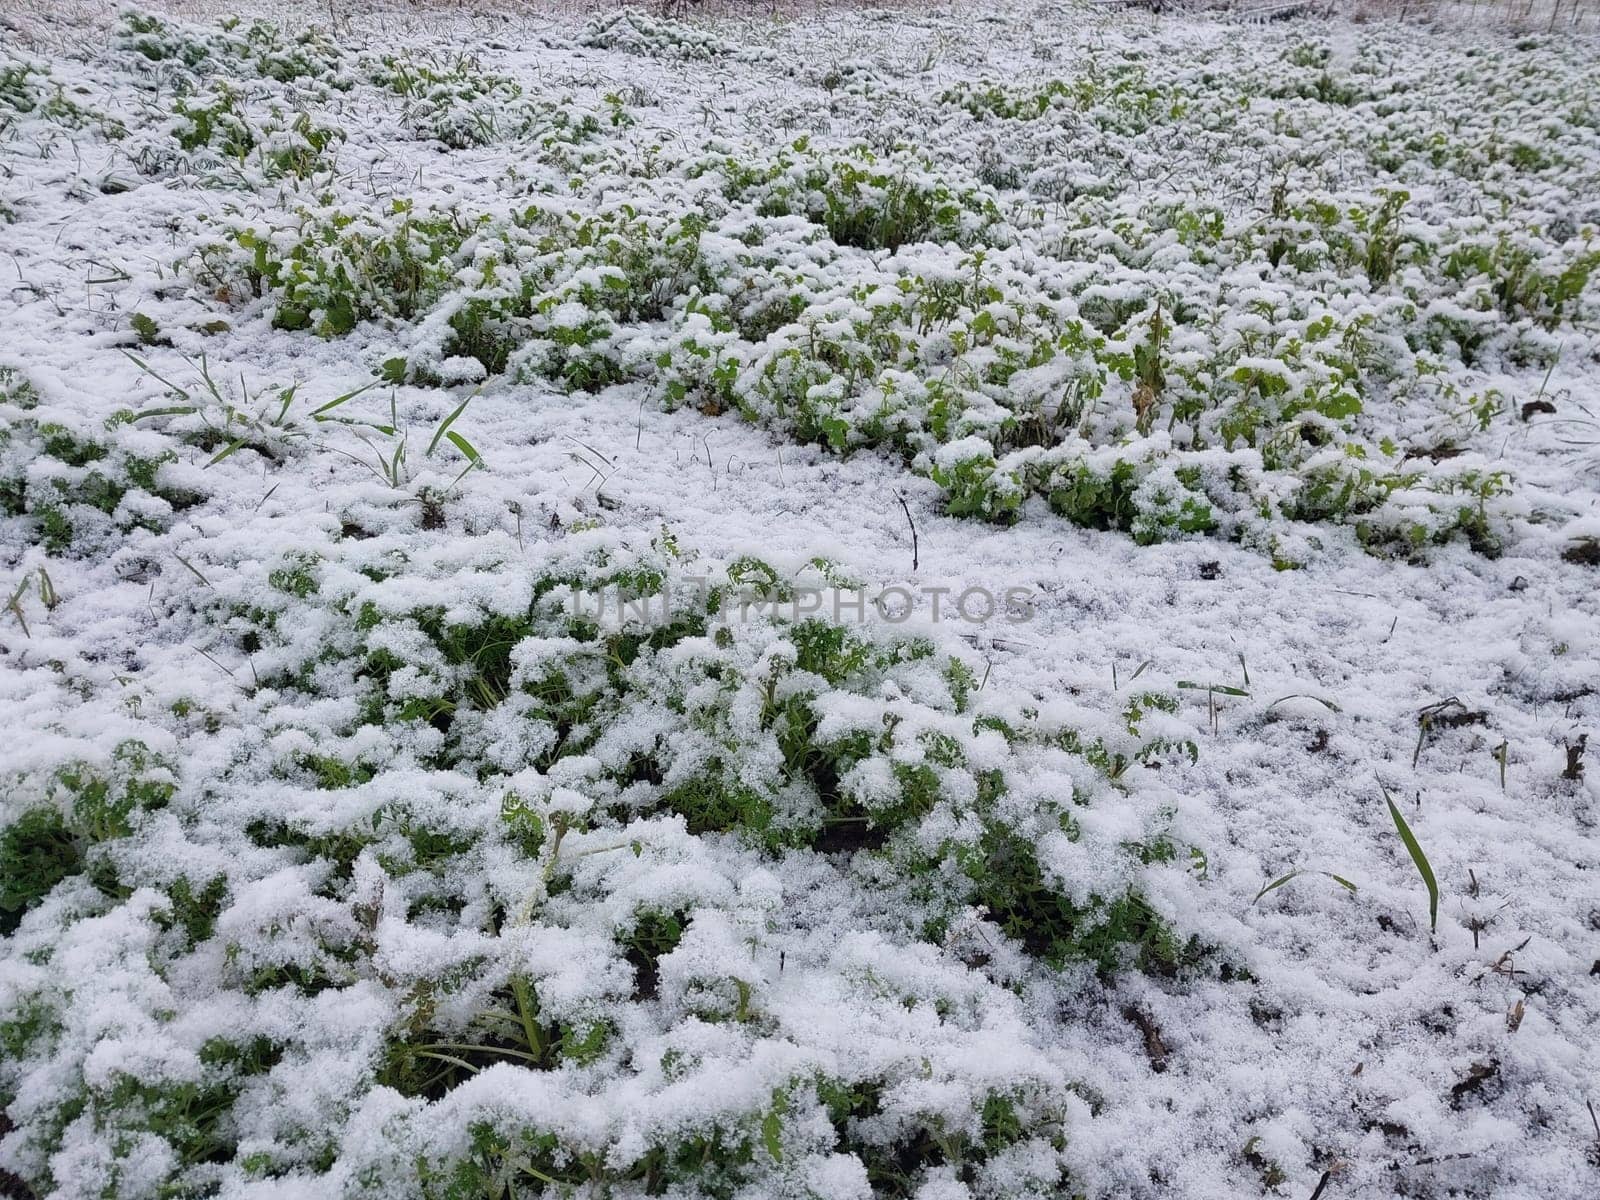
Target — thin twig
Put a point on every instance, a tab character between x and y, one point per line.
905	508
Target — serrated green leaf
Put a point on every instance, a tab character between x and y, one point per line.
771	1134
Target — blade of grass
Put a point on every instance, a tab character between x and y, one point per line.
444	425
287	397
474	459
316	413
158	377
191	568
1275	885
466	447
226	450
1296	873
1418	857
1220	689
177	411
14	606
211	384
1327	704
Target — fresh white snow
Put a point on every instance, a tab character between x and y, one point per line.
205	640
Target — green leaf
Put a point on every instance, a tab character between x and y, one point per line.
1221	689
316	414
466	447
1418	857
1327	704
145	327
226	450
151	371
1275	884
1298	871
445	424
771	1131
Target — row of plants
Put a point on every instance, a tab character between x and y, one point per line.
994	373
552	808
634	31
764	284
250	104
455	101
526	846
435	877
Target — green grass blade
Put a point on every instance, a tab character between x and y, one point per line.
444	425
316	413
1327	704
226	450
156	375
1296	873
466	447
211	384
287	397
1221	689
1275	884
1418	857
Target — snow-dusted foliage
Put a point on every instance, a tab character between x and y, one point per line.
450	485
634	31
1169	362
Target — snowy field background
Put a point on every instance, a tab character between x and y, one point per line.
342	856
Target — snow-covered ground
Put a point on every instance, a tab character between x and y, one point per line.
1251	369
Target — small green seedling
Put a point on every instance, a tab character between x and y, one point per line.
1299	871
1212	691
1419	858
